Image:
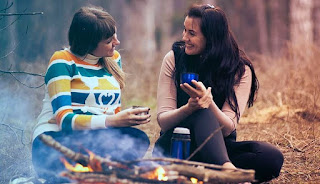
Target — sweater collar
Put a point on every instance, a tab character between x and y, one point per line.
89	58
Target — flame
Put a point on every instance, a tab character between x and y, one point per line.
94	163
77	168
194	180
160	173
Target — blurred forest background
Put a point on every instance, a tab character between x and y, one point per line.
282	37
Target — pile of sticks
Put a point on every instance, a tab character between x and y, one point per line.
177	171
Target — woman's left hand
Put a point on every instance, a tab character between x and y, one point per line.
198	91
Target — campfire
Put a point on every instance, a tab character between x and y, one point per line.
94	169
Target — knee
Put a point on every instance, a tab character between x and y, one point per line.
203	116
271	161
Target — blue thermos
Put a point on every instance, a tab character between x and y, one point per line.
180	143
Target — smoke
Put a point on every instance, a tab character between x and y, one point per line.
19	107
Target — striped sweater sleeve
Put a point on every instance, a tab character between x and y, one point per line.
60	72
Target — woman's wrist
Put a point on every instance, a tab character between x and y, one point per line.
109	122
187	110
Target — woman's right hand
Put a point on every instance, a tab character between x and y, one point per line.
129	117
196	103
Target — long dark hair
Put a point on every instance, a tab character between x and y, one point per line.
222	63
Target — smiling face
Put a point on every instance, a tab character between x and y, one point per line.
106	47
195	41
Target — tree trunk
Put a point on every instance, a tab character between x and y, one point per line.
278	11
260	12
138	27
301	27
316	20
163	20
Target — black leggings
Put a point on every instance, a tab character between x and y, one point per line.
118	143
263	157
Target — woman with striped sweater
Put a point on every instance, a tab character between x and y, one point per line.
82	104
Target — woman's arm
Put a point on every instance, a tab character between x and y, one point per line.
168	115
226	116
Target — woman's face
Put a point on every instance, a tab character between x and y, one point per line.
106	47
195	41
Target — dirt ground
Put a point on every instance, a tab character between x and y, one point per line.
299	142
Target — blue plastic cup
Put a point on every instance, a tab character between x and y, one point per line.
180	143
187	77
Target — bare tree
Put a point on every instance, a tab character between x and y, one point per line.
316	20
163	18
278	24
301	26
261	26
138	28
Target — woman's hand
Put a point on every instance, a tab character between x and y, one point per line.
196	103
129	117
198	91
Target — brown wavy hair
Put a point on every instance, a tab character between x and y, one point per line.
89	26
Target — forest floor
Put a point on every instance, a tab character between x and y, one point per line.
299	141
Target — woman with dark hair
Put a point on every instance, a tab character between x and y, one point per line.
227	83
82	106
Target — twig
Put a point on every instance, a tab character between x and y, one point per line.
205	142
20	14
27	73
15	133
8	6
20	72
22	132
6	55
33	87
11	23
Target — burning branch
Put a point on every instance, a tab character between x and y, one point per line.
97	163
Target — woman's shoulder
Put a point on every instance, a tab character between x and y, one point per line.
61	54
169	58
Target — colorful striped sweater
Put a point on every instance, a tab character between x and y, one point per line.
82	93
